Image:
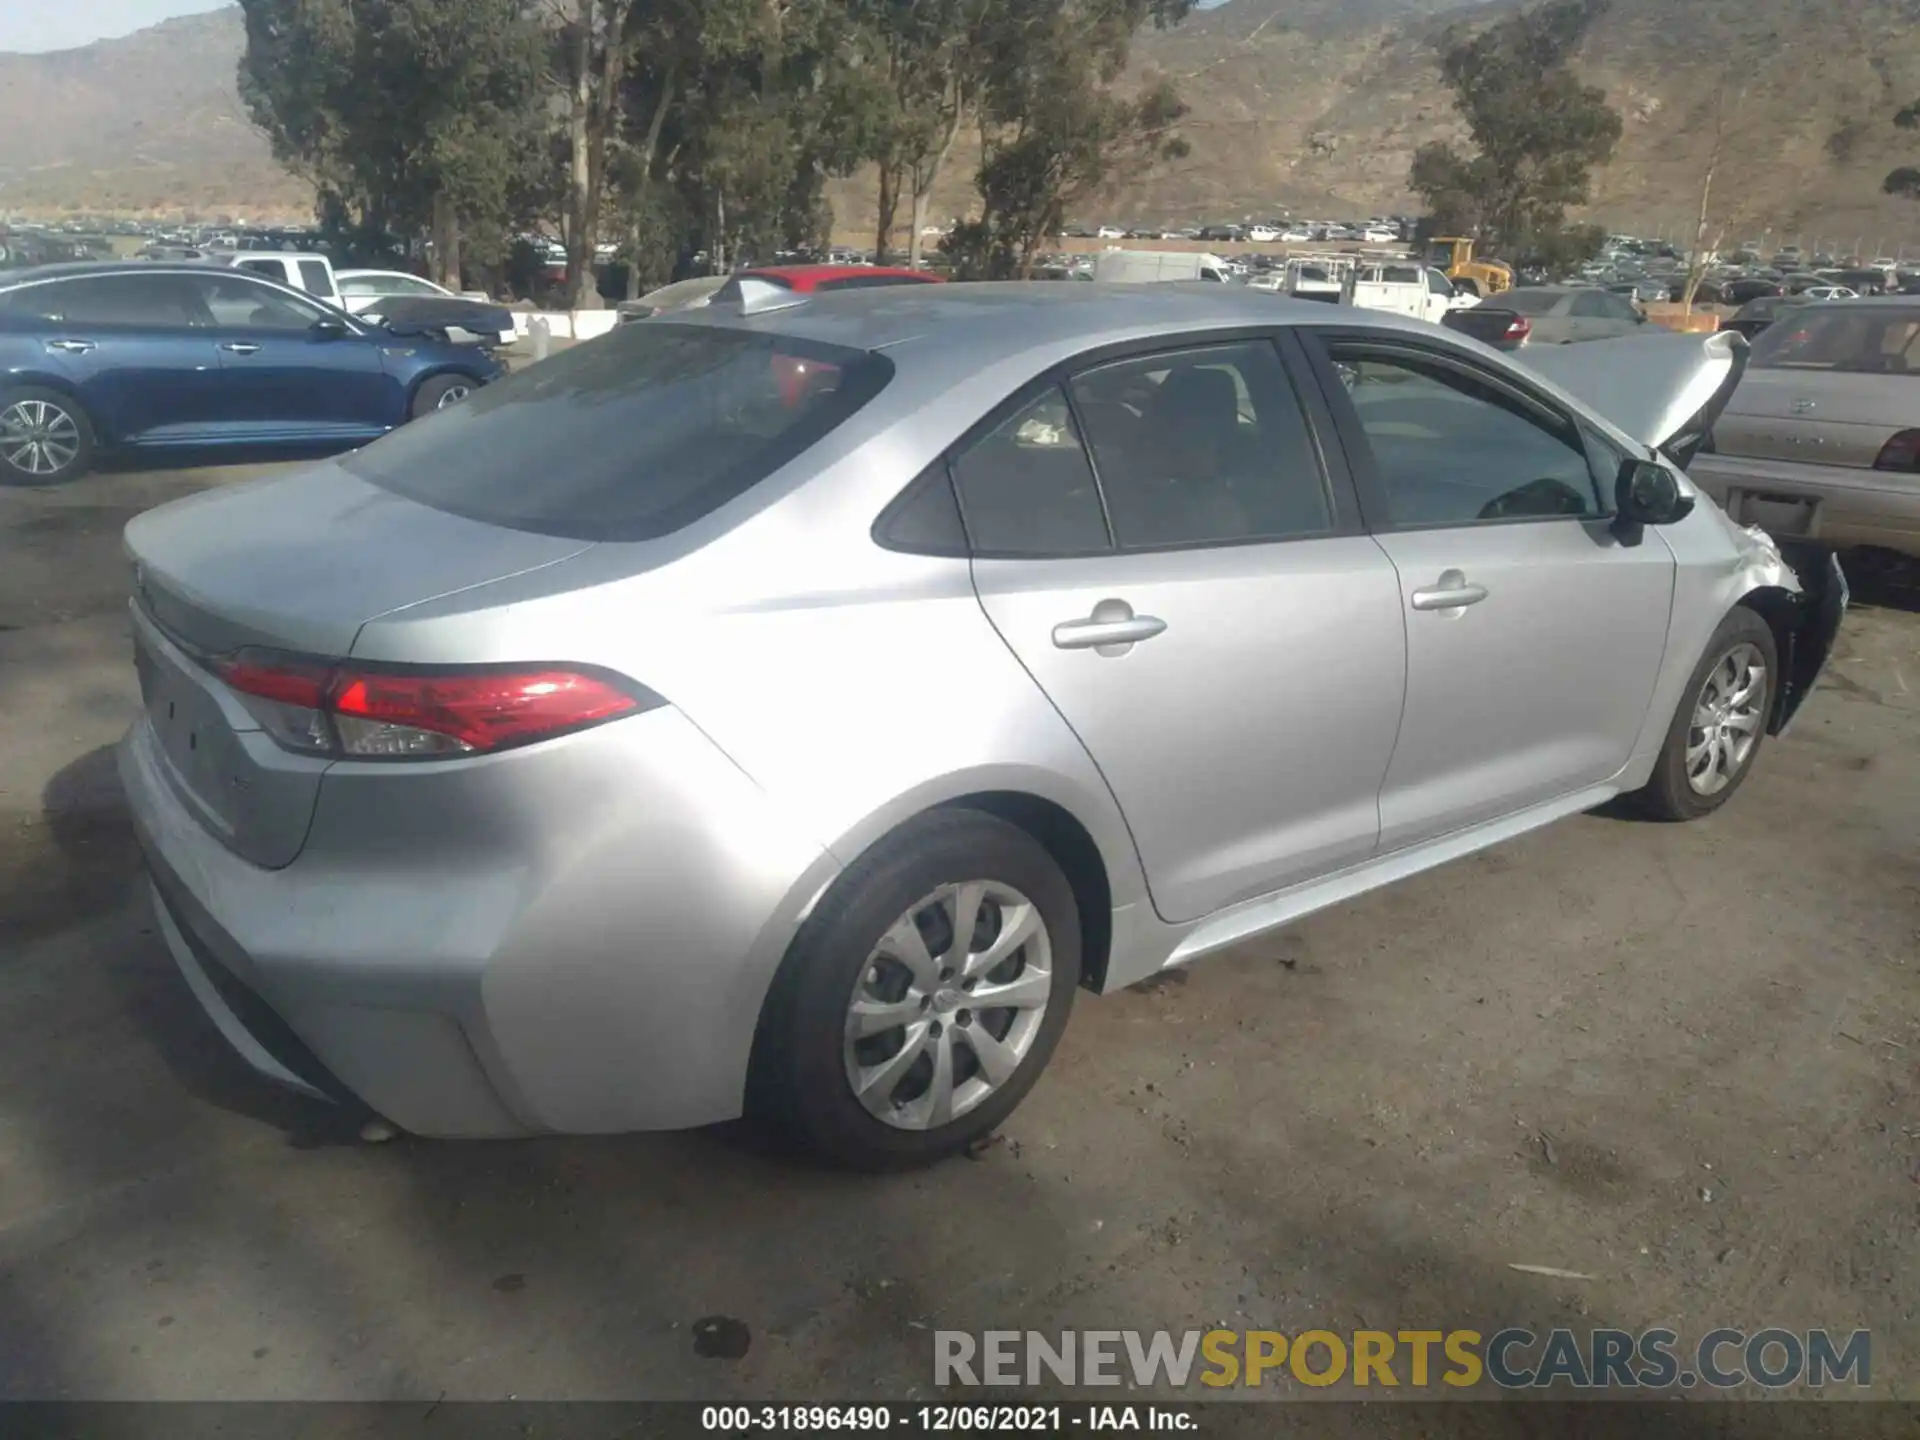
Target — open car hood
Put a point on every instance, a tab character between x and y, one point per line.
1664	389
422	314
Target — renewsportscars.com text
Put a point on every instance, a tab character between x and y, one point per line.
1511	1359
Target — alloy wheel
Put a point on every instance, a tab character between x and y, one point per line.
948	1004
453	395
37	437
1728	716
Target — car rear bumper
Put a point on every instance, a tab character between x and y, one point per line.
1834	504
573	938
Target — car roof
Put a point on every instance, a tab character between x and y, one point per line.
981	324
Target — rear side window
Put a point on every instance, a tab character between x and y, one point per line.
1531	302
1026	487
631	437
161	300
1857	339
1203	446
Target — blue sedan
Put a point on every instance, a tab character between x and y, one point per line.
148	359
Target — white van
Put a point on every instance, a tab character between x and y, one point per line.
1147	267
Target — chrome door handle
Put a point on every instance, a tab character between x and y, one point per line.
1112	629
240	347
1452	592
72	347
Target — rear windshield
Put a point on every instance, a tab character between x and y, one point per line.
1529	302
1860	339
629	437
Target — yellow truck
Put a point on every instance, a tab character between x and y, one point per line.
1454	255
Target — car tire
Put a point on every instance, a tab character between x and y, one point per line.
441	392
807	1061
1676	790
46	437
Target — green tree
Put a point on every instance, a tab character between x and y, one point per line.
1905	181
410	117
1537	133
1057	127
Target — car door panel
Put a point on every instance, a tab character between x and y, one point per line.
1534	635
128	347
1238	690
1534	691
1245	742
287	382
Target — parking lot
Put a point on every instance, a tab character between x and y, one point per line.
1681	1060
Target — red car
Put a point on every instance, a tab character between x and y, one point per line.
812	279
805	279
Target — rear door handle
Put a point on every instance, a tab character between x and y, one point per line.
240	347
72	347
1451	592
1112	629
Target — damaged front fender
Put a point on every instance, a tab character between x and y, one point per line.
1801	591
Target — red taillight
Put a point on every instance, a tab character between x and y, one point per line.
1518	329
286	682
1901	453
482	711
418	714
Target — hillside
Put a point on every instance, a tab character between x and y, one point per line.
1311	105
149	122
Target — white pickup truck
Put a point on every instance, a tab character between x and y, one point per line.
1406	289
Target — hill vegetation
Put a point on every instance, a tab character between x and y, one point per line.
1316	106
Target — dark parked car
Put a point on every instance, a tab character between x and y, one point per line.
1739	292
148	357
1757	315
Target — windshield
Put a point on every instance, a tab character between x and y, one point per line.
629	437
1866	339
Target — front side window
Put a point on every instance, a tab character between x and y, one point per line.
269	268
633	437
237	303
1854	339
1590	305
1026	487
1438	284
1452	448
1203	446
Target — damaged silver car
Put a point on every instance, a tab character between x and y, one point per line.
788	706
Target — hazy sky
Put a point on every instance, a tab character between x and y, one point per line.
61	24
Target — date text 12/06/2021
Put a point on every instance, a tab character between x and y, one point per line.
947	1419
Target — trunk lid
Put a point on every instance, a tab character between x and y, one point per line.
298	563
1822	417
1665	389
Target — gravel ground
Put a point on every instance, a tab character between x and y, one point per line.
1679	1060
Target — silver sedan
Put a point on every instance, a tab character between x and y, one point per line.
787	707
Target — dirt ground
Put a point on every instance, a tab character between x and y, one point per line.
1680	1060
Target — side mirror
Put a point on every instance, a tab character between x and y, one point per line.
1646	493
328	328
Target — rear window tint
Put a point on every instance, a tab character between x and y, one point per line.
630	437
1530	302
1870	339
